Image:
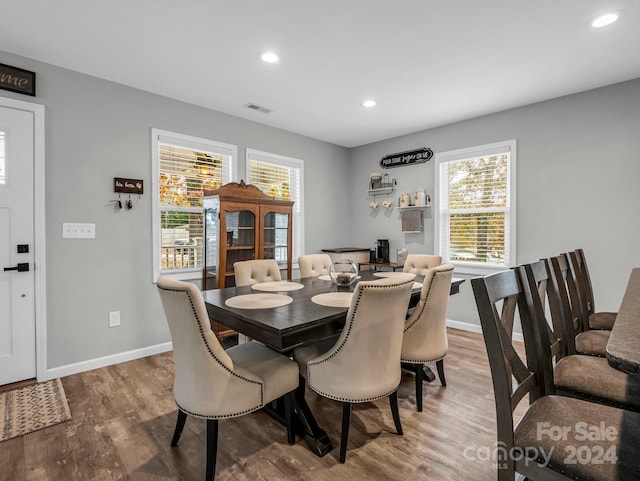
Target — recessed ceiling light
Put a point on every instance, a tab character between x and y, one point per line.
369	103
604	20
269	57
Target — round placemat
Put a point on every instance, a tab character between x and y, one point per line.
276	286
258	301
393	274
333	299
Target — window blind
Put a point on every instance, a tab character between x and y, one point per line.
185	168
281	178
475	206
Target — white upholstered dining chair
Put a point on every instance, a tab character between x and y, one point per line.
212	383
314	265
257	270
418	264
364	363
425	332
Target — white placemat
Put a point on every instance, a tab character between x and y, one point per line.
394	274
258	301
333	299
417	285
276	286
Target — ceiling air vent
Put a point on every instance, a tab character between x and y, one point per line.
258	108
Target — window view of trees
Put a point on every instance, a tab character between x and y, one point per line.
183	176
478	202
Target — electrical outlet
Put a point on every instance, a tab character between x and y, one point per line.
114	318
78	231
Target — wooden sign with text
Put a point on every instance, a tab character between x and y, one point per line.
18	80
127	186
410	157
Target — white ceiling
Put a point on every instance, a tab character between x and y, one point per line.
426	62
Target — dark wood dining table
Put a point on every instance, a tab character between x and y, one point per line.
293	325
623	347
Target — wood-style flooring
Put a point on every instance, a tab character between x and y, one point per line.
123	418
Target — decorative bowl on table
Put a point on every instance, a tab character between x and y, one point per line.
343	272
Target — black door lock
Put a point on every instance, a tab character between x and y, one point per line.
21	267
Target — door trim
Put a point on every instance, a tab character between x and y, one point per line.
39	247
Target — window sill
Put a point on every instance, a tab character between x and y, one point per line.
476	270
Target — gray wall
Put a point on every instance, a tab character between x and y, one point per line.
577	184
97	130
577	176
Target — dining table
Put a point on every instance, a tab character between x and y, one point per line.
290	314
623	347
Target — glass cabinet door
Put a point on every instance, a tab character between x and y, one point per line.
276	234
240	237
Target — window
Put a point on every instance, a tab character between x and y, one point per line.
281	178
475	225
183	167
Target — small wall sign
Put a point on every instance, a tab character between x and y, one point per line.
410	157
128	186
18	80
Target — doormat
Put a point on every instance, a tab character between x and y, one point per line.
31	408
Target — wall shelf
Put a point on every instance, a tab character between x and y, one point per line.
413	207
385	190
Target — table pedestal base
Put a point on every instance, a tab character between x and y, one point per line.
304	423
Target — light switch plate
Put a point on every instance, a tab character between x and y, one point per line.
78	231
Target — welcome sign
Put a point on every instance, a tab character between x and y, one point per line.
18	80
409	157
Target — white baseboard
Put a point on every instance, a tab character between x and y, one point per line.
107	360
466	326
90	364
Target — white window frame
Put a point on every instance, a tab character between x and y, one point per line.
298	206
441	213
159	136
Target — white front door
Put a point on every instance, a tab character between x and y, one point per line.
17	285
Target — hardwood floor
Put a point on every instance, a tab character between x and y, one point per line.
123	418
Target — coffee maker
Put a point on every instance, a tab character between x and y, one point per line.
382	250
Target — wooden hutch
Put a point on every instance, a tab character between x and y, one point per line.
243	223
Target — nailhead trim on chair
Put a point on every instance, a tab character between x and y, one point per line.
422	361
424	306
355	309
204	339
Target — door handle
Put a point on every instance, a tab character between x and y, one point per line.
21	267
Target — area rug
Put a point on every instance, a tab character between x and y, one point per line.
30	408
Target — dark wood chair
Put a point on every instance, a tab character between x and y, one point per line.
596	320
576	375
579	338
528	446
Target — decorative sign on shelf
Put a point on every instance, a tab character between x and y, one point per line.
127	186
410	157
18	80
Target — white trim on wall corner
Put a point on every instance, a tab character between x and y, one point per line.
108	360
466	326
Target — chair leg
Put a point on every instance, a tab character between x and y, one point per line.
440	366
419	380
212	448
182	419
393	402
346	416
288	408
